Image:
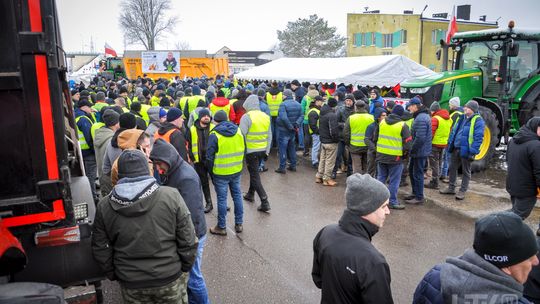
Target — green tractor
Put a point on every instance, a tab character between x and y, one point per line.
113	68
499	68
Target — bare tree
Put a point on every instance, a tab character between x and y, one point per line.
182	45
145	21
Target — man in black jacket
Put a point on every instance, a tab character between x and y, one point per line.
523	178
178	174
329	136
346	266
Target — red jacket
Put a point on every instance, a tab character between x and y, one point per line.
221	102
443	113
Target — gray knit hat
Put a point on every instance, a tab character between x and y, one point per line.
435	106
132	163
364	194
473	105
287	93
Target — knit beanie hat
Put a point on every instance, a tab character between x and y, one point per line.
288	93
173	114
378	112
364	194
349	96
360	104
332	102
220	116
162	112
127	121
473	105
398	110
110	118
132	163
261	92
454	101
164	102
435	106
503	239
136	106
204	112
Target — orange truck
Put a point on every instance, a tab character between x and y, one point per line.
192	64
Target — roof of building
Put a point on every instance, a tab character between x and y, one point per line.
498	33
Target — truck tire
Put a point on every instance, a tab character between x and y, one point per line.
491	138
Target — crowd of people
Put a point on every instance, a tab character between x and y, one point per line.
137	136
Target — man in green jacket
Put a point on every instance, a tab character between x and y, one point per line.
143	235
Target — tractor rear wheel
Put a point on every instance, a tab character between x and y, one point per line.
490	141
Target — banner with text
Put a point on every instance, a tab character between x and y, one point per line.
160	62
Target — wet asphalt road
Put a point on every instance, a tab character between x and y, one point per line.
270	262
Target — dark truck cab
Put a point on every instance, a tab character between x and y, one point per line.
45	197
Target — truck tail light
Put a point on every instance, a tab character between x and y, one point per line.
58	237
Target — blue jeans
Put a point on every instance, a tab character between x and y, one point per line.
274	131
286	149
221	184
416	174
196	286
392	173
342	153
301	138
445	160
315	147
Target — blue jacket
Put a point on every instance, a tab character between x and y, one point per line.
264	106
85	125
289	115
225	128
459	137
428	290
375	103
421	134
300	93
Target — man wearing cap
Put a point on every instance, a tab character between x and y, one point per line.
222	103
346	266
255	126
84	119
103	138
420	150
379	115
225	155
75	96
143	235
100	103
455	111
288	122
172	132
197	138
343	158
493	271
392	140
441	125
329	136
354	133
274	98
464	144
313	120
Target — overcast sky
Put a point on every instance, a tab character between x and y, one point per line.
245	25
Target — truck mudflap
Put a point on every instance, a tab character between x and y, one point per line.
66	265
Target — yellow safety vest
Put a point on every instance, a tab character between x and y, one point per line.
443	131
82	140
154	101
409	123
230	155
471	129
195	141
214	109
99	105
308	101
128	102
273	102
95	127
182	103
257	135
193	101
359	123
144	113
390	141
318	113
233	100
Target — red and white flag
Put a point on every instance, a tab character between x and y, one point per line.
452	26
109	50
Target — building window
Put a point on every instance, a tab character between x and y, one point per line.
373	38
387	52
354	40
437	35
387	40
403	36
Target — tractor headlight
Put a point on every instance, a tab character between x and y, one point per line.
81	211
419	90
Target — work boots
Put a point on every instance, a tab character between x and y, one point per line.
265	205
250	197
330	182
449	190
433	184
208	206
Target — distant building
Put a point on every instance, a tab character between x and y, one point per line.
411	35
244	60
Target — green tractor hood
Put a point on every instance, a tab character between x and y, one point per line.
439	78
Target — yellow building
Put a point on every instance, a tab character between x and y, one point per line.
410	35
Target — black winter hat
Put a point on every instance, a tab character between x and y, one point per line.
122	90
332	102
83	102
173	114
398	110
296	83
127	121
220	116
110	117
204	112
132	163
503	239
136	106
350	96
164	102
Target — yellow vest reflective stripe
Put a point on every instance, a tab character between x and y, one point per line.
443	131
318	113
230	155
226	92
359	123
95	127
458	113
82	140
257	136
390	141
214	109
195	142
144	113
273	102
471	129
193	101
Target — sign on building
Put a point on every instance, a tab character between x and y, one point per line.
160	62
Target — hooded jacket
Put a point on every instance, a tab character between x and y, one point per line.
183	177
443	113
461	278
347	267
202	141
178	140
328	126
421	134
222	102
225	128
375	103
289	115
405	136
523	158
459	137
306	105
112	152
85	125
127	140
143	234
343	114
101	141
252	104
155	124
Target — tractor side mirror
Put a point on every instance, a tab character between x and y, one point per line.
512	49
438	54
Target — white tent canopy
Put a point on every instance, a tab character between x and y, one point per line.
365	70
